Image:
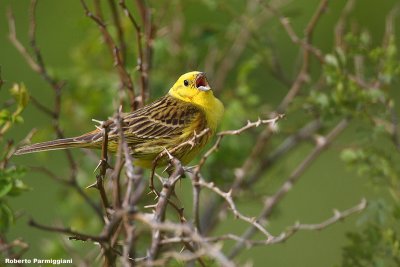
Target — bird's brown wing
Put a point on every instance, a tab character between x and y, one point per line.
167	118
164	120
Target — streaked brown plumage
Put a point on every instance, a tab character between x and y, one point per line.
163	124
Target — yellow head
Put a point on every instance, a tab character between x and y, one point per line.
193	87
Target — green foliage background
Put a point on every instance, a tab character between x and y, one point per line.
361	163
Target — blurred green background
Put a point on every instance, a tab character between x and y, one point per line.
73	51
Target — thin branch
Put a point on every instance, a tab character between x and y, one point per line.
36	51
9	248
39	67
184	229
303	74
147	35
287	145
159	213
12	36
337	216
134	191
124	76
285	235
42	107
341	24
196	188
321	144
120	32
103	166
191	142
228	198
237	46
140	59
73	234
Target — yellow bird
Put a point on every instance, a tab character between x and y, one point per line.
189	107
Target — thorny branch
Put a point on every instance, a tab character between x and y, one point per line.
283	236
220	135
191	142
159	214
322	142
103	166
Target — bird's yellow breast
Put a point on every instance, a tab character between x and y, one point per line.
206	101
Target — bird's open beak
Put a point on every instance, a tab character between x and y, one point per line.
202	83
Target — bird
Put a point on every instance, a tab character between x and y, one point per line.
188	108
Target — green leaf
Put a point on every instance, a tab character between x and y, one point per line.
348	155
10	184
20	94
331	60
6	217
5	186
18	188
4	116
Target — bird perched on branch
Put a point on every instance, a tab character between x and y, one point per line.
189	108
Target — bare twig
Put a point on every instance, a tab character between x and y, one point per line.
120	32
73	234
159	214
103	166
42	107
228	198
291	230
303	75
124	76
264	163
321	144
237	46
140	59
186	231
39	67
134	191
337	216
147	35
341	24
196	188
13	249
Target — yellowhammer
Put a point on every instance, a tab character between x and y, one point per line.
188	108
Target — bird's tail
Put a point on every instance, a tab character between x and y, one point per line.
52	145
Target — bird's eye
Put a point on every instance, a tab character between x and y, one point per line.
186	82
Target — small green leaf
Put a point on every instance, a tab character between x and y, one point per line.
4	116
20	94
331	60
6	217
348	155
18	188
5	186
